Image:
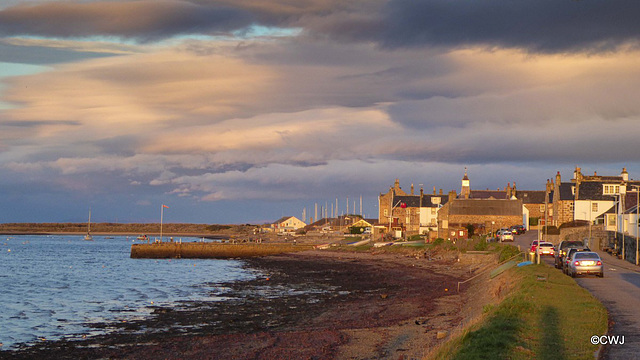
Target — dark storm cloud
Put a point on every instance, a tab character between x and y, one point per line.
143	20
538	25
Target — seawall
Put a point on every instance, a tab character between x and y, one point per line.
203	250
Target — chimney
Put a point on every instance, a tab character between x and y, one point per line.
421	193
440	191
452	195
624	174
411	188
434	190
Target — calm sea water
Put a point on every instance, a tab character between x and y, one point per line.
52	286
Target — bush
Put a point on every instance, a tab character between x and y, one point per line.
218	227
470	231
481	246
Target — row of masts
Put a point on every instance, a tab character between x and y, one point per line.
335	212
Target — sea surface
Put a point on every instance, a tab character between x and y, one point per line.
52	287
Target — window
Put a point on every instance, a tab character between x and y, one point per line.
611	220
542	208
594	207
610	189
386	212
433	211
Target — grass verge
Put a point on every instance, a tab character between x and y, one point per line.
547	316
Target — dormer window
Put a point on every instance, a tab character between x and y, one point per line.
610	189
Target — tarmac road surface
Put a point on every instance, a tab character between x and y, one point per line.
619	291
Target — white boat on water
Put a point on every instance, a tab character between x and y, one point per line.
88	237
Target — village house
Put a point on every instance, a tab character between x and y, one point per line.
592	198
341	224
486	210
534	205
287	224
409	214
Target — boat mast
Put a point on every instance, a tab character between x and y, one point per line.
161	217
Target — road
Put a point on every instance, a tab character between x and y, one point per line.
619	291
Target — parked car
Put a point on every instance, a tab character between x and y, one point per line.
534	245
563	248
546	248
569	256
586	262
505	235
518	229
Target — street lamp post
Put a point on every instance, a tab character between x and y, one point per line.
623	194
637	191
620	219
590	221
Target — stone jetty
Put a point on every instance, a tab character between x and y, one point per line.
207	250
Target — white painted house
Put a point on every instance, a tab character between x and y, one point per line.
287	224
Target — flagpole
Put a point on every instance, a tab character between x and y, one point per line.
161	216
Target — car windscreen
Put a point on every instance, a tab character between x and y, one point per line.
586	255
572	244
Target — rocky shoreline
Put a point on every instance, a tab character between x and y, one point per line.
314	305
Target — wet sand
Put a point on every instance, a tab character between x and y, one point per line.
311	305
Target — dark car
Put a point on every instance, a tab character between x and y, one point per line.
568	256
518	229
562	251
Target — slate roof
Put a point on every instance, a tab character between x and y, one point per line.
565	192
593	191
490	207
531	196
414	200
488	194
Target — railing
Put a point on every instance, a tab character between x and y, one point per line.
487	270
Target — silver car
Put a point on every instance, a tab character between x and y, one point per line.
505	235
585	262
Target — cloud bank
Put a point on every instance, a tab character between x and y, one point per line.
134	103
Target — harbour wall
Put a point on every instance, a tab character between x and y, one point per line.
203	250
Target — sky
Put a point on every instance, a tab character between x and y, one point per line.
244	111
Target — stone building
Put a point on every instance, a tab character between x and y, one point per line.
487	210
486	215
411	213
589	197
534	203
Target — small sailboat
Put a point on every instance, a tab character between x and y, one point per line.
88	237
